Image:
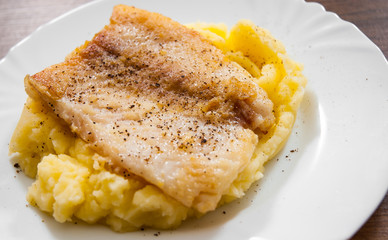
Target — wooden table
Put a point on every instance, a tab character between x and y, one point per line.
18	18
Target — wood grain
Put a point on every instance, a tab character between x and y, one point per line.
20	18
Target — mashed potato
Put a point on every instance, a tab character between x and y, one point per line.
74	182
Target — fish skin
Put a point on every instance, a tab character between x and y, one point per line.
161	102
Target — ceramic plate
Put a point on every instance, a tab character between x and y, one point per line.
325	190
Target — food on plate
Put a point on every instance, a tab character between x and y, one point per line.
152	122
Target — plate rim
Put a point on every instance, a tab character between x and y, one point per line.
69	13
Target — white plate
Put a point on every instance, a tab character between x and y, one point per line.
325	190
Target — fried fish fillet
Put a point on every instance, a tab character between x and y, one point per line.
161	102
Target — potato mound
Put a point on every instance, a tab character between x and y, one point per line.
74	182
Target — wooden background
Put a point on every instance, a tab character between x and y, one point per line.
18	18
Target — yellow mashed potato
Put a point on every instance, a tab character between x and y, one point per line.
73	182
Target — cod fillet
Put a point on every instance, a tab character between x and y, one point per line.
161	102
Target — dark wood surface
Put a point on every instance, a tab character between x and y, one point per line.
18	18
